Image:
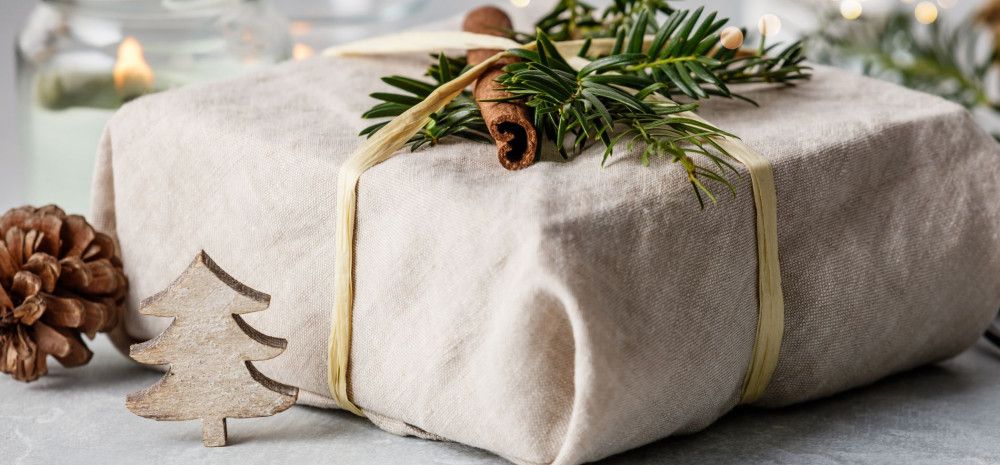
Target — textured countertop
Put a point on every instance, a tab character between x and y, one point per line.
946	413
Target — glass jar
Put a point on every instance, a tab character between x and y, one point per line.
79	60
317	24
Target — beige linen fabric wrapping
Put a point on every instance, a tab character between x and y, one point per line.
566	312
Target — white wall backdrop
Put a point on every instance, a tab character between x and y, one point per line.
12	14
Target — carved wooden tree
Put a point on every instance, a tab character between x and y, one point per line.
209	348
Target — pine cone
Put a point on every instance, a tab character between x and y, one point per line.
58	279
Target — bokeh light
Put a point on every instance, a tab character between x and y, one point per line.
731	38
926	12
850	9
769	25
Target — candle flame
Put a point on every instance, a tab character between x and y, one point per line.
302	51
132	74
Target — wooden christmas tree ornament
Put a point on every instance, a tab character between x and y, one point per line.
209	349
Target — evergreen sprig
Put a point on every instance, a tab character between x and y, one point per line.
460	118
948	62
639	94
575	108
684	56
573	19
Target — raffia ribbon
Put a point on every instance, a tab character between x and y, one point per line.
387	142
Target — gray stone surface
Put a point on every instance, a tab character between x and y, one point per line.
947	413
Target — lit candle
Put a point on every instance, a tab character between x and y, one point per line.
90	82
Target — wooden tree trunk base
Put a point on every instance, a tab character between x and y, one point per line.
213	432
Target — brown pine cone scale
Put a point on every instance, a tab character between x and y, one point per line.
59	279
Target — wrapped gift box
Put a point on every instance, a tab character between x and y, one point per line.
566	312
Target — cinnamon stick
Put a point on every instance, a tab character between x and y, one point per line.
509	123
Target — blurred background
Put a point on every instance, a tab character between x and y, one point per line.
66	65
